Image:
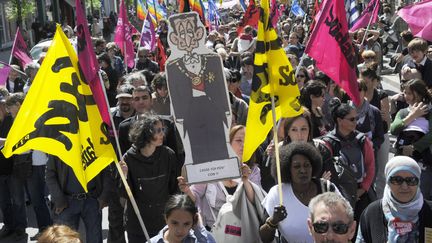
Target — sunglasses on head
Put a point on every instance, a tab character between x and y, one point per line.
398	180
323	227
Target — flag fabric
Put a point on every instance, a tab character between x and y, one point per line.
352	12
60	117
19	49
141	10
273	76
242	5
183	6
419	18
371	11
123	36
296	9
89	64
275	13
332	49
198	6
250	17
148	35
213	15
157	11
4	72
161	55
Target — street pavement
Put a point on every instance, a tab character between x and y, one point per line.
390	83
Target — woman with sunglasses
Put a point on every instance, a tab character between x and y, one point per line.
300	165
302	77
353	154
151	171
312	97
402	215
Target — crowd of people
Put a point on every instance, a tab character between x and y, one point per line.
337	182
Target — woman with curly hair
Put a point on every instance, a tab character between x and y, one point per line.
151	171
300	165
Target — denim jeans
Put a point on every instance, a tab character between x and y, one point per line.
88	210
12	202
36	187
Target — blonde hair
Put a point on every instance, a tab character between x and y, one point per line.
59	234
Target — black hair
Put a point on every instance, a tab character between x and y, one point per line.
322	77
159	81
419	87
183	202
105	57
294	148
142	131
339	109
235	75
313	87
370	72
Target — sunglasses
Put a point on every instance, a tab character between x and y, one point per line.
338	228
351	119
160	130
398	180
369	57
301	76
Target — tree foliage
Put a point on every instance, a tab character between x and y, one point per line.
27	8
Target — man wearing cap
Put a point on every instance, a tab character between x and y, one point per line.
124	108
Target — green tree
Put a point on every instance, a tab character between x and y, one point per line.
19	9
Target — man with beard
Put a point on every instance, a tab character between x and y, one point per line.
124	108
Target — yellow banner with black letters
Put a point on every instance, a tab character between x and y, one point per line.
60	117
273	76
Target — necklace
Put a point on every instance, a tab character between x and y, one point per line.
195	78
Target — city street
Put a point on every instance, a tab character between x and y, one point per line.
390	84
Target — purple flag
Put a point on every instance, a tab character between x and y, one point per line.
88	62
123	36
371	11
148	35
4	72
19	49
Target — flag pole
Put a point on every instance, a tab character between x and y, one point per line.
125	57
370	21
276	144
122	176
13	46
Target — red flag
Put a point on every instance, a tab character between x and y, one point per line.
161	55
419	18
370	12
315	11
123	36
332	49
88	62
19	49
250	17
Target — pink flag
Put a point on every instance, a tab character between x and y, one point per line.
19	49
88	62
4	72
419	18
148	35
123	36
331	48
371	11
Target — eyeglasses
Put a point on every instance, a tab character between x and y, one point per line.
369	57
350	119
338	228
160	130
301	76
398	180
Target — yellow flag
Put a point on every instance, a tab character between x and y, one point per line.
273	76
60	117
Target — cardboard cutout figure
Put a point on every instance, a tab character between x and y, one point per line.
199	101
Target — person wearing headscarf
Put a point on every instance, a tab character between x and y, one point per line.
402	215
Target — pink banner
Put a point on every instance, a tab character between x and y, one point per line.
331	47
148	35
123	36
89	64
4	72
419	18
19	49
371	11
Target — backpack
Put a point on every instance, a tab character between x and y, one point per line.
348	173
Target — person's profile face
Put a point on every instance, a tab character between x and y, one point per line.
331	224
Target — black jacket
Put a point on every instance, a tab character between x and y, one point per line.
374	224
152	180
